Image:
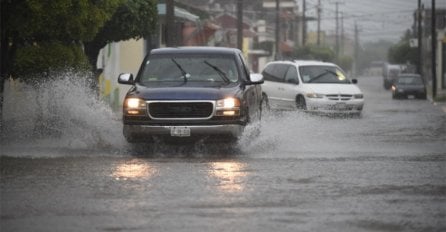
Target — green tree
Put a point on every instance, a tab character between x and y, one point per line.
345	62
133	19
312	52
33	24
373	51
402	53
38	60
38	36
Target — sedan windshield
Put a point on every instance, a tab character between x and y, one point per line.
322	74
190	69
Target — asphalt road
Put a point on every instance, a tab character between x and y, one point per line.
384	171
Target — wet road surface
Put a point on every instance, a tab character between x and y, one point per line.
384	171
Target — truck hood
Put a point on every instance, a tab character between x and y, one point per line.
184	92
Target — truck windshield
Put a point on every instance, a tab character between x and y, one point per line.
190	69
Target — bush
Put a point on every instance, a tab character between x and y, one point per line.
314	53
38	60
345	62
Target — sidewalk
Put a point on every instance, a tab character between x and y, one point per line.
441	105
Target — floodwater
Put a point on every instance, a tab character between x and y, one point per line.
72	171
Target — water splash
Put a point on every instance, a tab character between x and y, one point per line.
62	112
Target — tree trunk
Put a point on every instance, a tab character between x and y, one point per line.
4	45
92	51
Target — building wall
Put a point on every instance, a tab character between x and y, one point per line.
116	58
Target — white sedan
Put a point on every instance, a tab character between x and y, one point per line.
310	86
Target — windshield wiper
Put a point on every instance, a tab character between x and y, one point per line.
219	71
326	71
184	73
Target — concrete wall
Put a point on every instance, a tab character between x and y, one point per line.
441	69
116	58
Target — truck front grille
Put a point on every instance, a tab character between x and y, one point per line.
180	109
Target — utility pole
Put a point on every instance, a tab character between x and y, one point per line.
319	23
337	30
240	24
434	52
170	24
304	25
342	34
278	55
355	69
420	39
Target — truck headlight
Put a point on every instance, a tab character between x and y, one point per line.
134	106
228	107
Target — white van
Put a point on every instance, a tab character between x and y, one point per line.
310	86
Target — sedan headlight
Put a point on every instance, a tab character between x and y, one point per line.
358	96
314	95
228	107
134	106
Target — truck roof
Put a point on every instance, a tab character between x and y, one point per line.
195	50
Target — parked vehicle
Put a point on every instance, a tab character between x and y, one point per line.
189	93
390	73
310	86
376	68
409	85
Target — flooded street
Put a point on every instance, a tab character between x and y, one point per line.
383	171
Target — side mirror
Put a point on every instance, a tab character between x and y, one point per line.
256	78
355	81
125	78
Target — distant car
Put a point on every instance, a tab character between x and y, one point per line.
409	85
311	86
191	93
390	73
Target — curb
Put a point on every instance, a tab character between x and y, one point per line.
442	106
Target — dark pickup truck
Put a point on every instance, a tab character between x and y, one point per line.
188	93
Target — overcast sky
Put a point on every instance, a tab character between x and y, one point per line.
376	19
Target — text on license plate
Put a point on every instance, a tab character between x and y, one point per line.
180	131
341	106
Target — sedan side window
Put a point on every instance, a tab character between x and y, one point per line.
280	72
273	72
291	75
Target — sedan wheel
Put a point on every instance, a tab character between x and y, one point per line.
300	103
265	104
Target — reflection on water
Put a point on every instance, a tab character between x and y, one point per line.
133	169
230	174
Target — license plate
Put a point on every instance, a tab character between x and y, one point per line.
180	131
341	106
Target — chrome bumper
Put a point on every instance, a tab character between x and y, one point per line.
202	130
